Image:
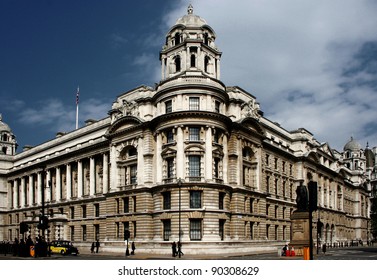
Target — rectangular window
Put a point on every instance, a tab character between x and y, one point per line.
170	136
96	208
126	204
217	106
134	202
216	168
117	205
221	200
194	168
126	228
251	230
84	233
251	204
221	229
72	210
133	174
170	168
96	232
194	103
83	211
195	199
166	196
167	229
117	230
168	106
134	226
195	229
194	134
72	233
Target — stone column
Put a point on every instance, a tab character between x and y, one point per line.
58	189
39	188
69	181
159	158
140	162
80	183
225	159
105	173
48	186
114	169
181	162
23	192
208	154
15	194
31	190
92	176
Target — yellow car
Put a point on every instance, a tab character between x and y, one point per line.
63	247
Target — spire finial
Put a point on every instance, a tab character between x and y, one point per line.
190	10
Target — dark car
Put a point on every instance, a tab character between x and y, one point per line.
63	247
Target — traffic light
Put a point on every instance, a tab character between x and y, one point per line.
23	227
313	193
43	222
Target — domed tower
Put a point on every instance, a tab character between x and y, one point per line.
353	156
190	48
8	144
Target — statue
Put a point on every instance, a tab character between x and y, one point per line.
302	198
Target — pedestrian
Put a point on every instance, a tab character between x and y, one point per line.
92	247
324	248
174	249
97	246
180	253
133	248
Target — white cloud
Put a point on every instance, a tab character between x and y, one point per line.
292	54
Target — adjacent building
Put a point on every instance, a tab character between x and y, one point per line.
190	159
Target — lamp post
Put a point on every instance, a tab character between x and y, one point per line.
179	217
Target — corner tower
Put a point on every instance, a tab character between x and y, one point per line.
190	49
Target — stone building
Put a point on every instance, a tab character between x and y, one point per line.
190	156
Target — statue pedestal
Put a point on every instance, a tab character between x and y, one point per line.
300	236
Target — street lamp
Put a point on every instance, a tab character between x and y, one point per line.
179	217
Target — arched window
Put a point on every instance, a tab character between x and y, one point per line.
206	41
177	62
177	39
206	63
193	61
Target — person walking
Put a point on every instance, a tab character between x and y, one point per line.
92	247
324	248
174	249
97	246
133	248
180	253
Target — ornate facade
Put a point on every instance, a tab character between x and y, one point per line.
190	155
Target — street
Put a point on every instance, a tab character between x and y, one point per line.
348	253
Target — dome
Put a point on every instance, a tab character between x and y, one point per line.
352	145
4	126
191	20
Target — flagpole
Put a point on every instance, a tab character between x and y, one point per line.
77	107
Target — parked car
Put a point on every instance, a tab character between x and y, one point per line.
63	247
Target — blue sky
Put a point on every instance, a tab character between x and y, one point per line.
311	64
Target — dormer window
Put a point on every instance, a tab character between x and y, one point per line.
177	38
206	64
193	60
206	39
177	62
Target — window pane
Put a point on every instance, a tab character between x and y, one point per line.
170	167
194	103
195	199
168	106
195	229
194	134
167	200
133	173
194	167
167	229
